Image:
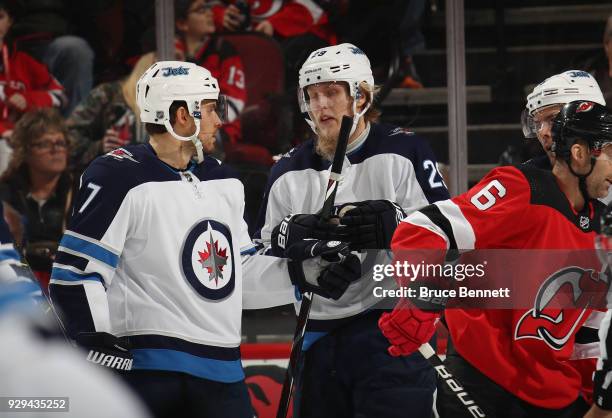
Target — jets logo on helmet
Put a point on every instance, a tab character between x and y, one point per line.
170	71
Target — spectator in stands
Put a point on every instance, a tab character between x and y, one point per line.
46	30
601	66
300	25
196	37
108	118
25	83
37	187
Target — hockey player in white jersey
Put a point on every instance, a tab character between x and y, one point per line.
156	265
387	172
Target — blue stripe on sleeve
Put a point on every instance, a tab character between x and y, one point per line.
9	255
70	276
89	248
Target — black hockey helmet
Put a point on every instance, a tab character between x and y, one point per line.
584	120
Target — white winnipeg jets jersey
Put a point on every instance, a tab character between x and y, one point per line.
385	162
159	256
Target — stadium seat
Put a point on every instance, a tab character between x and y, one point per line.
263	126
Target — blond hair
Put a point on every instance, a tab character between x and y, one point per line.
372	115
128	86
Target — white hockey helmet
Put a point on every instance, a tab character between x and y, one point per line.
344	62
559	89
168	81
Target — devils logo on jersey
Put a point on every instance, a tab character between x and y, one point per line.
562	303
207	259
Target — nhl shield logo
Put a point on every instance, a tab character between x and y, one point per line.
584	222
207	259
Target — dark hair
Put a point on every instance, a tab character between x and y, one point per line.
157	129
14	8
181	9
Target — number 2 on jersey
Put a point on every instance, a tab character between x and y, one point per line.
94	191
430	165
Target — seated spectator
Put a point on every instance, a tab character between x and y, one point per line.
25	83
108	118
195	29
280	18
46	30
38	187
300	25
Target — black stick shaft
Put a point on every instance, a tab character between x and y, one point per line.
463	397
302	320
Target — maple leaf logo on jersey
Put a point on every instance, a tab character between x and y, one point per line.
121	154
561	305
207	259
214	259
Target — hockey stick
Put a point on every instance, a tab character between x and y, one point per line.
23	269
302	320
447	377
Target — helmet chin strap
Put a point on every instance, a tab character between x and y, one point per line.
193	138
582	180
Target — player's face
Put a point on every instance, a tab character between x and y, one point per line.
199	20
600	179
209	124
543	121
328	102
49	153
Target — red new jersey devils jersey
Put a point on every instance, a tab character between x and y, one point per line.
525	351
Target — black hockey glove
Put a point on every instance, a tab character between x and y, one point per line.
106	350
370	224
602	395
296	228
329	277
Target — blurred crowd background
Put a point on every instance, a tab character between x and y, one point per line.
69	68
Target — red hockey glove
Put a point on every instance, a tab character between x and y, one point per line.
407	328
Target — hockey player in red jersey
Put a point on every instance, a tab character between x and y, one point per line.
522	208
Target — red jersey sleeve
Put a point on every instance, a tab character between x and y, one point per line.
490	215
295	18
218	12
45	90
